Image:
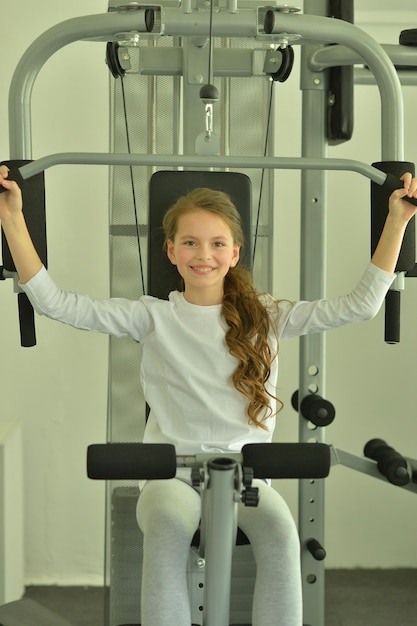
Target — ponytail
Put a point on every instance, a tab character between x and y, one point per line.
248	339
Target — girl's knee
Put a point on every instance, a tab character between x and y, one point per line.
168	507
271	521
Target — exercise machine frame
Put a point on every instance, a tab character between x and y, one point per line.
306	30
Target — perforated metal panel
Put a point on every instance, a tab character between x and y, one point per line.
146	118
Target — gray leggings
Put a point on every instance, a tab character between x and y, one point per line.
168	514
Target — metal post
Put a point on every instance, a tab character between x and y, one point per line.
312	348
220	508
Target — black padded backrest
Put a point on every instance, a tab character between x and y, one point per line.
165	189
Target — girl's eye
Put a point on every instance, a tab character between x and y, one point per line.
219	244
189	243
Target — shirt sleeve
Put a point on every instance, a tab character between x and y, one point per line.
114	316
363	303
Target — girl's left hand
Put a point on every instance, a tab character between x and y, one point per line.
398	205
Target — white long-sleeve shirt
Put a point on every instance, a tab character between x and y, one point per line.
186	366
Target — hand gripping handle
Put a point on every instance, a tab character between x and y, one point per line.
14	174
392	183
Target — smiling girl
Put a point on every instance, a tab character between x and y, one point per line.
209	373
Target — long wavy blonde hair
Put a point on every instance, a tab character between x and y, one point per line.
248	336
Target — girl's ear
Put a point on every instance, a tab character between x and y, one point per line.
236	255
170	252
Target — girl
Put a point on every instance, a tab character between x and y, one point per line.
209	373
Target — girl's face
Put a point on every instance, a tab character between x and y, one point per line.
203	251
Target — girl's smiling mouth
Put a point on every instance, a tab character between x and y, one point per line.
202	269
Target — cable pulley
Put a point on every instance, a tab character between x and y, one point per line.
113	59
279	63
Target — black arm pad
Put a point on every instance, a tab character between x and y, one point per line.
131	461
287	460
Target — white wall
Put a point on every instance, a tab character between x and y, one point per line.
58	389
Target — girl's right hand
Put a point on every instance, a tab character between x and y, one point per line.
25	257
11	200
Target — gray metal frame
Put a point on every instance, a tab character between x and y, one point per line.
307	30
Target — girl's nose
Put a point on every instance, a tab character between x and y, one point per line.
204	251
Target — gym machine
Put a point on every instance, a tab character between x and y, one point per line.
329	49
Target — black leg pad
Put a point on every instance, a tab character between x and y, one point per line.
287	460
131	461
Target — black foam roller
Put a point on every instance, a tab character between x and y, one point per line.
287	460
379	210
131	461
317	410
391	463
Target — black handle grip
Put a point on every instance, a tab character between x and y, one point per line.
316	549
317	410
314	408
287	460
392	316
26	321
131	461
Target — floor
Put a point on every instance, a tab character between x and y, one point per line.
353	598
